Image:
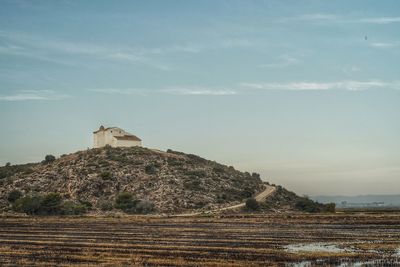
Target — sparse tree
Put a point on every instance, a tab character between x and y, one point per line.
14	195
106	175
126	201
144	207
29	205
252	204
51	204
49	159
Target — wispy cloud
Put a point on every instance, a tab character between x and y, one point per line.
379	20
334	18
169	90
349	71
385	44
65	52
134	58
340	85
283	62
244	88
56	51
27	95
37	55
198	91
121	91
316	17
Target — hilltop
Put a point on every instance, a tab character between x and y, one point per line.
104	178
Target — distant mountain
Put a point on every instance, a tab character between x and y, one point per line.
382	200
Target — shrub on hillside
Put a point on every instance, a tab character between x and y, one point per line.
71	208
194	159
51	204
117	158
330	207
49	159
125	201
308	205
252	204
246	192
174	162
144	207
14	195
219	169
86	203
28	171
221	198
3	174
150	169
105	205
106	175
194	184
29	205
10	170
197	173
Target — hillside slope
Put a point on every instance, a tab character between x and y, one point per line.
175	182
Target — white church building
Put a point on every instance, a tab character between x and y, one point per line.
115	137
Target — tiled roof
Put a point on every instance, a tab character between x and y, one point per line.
128	137
105	129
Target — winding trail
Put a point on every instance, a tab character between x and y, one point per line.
269	189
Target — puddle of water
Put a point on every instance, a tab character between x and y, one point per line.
300	264
392	260
316	247
346	263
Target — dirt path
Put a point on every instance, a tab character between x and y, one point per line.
260	197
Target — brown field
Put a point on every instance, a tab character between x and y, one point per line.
231	240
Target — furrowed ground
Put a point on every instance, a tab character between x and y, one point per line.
234	240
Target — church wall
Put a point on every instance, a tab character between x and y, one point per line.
127	143
102	138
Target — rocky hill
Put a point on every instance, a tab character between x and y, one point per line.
140	180
172	181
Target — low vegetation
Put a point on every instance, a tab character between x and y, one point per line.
285	198
252	204
14	195
49	159
128	203
10	170
49	204
308	205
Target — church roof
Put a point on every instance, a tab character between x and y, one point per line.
127	136
130	137
104	129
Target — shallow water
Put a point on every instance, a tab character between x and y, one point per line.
316	247
346	263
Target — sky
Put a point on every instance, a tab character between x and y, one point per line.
306	93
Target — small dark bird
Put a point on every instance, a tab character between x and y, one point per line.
366	37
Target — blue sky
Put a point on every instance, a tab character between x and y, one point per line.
305	92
